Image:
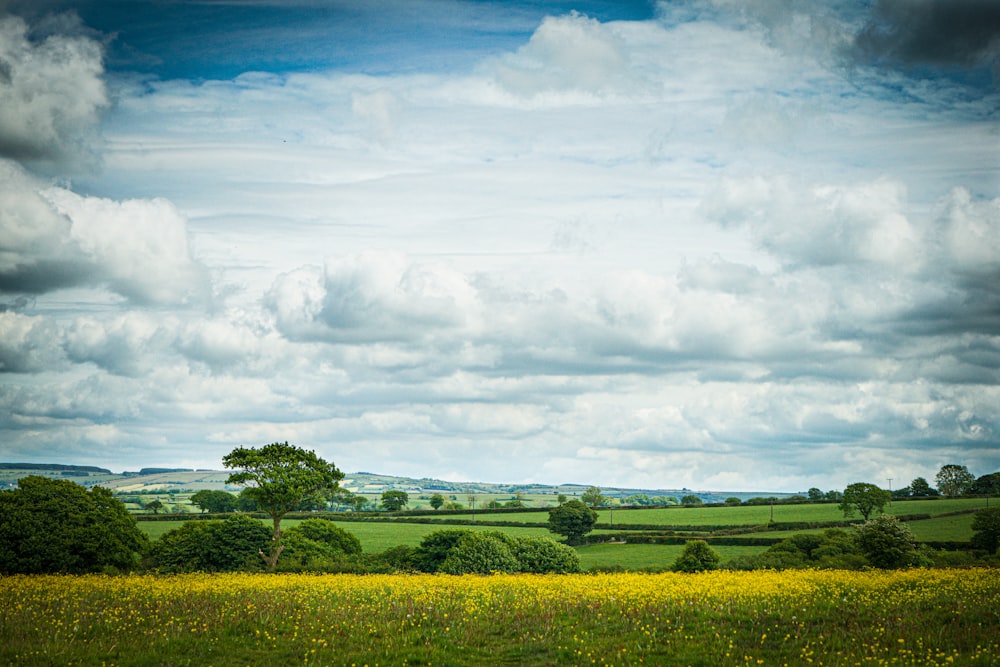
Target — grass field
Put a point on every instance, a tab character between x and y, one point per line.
917	617
740	515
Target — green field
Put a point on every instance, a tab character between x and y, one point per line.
932	618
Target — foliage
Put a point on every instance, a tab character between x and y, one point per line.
216	502
280	477
887	543
733	500
330	534
987	485
434	548
437	501
394	500
986	524
479	553
696	557
543	555
55	525
572	519
211	546
154	506
912	617
831	549
954	480
919	488
690	500
864	498
814	494
592	497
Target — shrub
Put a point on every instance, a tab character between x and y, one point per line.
211	546
434	548
328	533
479	553
542	555
887	543
986	523
696	557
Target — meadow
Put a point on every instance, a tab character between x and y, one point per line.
914	617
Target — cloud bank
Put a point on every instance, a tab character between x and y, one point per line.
679	251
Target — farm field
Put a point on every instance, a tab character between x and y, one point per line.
749	514
925	617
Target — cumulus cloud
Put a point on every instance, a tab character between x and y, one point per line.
371	297
53	92
824	224
141	247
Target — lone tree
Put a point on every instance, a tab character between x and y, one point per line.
592	497
279	478
154	506
572	520
437	500
919	488
394	500
864	498
986	524
954	480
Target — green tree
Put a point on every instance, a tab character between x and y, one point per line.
986	524
542	555
954	480
358	502
437	500
864	498
572	519
217	502
592	497
733	500
919	488
814	494
279	477
154	506
55	525
394	500
691	500
987	485
696	557
887	543
561	499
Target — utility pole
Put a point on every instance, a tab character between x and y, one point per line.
890	490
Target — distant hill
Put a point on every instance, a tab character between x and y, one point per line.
52	466
366	483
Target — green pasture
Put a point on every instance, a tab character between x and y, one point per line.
647	556
739	515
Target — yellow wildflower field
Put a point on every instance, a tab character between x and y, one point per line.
914	617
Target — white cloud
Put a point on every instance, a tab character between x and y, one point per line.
53	93
141	247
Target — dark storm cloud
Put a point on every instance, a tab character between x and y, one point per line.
932	32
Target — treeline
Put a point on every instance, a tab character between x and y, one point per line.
56	467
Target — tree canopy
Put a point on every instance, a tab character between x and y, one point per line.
865	499
55	525
279	478
954	480
986	524
394	500
216	502
592	497
572	520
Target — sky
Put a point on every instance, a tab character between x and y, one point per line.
709	244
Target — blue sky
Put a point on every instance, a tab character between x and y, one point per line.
709	244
